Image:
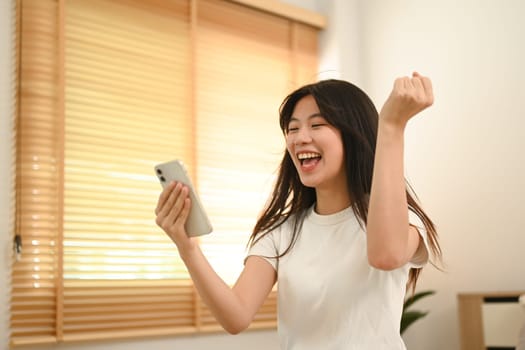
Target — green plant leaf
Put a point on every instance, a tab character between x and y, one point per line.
410	300
410	317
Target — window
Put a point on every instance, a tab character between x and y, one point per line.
108	89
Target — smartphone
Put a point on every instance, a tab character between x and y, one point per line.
197	223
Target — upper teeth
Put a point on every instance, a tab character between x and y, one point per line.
302	156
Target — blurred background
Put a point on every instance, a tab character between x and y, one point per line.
463	155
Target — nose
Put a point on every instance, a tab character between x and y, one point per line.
302	136
299	137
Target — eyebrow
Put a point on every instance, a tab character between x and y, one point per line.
309	117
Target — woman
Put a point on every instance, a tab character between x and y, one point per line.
341	233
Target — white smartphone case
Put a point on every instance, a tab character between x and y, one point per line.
198	223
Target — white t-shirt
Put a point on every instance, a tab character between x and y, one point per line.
329	297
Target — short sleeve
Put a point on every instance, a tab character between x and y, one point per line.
267	247
421	255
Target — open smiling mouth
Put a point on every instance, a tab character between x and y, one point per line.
308	159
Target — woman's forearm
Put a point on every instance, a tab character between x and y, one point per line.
387	227
224	304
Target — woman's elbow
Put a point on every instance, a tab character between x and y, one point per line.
386	262
236	327
234	330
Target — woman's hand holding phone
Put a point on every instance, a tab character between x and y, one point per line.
197	222
173	208
179	210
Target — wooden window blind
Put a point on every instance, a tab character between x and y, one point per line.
108	89
34	277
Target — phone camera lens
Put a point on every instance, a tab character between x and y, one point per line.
162	178
159	171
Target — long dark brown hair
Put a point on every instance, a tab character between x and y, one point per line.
351	111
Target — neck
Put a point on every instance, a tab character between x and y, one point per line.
331	202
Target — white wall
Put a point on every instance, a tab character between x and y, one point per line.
341	41
464	155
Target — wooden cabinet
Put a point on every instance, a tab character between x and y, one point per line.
486	318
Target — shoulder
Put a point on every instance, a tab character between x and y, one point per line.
273	240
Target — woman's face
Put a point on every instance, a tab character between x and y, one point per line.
316	147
